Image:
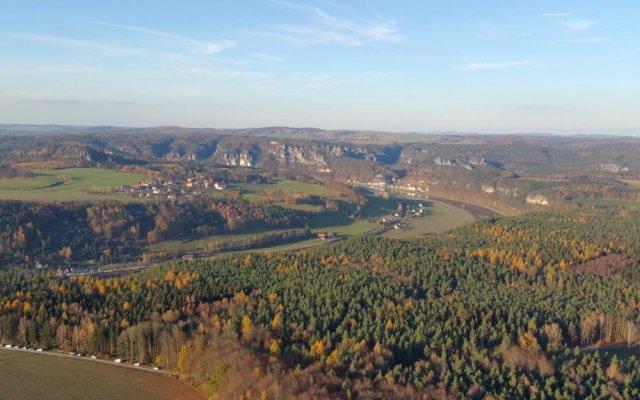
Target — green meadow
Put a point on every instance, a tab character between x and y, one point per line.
440	217
67	184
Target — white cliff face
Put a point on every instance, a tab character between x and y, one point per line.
302	156
242	158
613	168
290	154
283	154
467	163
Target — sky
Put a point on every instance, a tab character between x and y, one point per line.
567	67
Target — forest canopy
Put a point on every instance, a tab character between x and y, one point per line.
502	308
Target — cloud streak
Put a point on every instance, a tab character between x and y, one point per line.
72	43
325	27
228	73
577	24
570	22
203	47
494	66
555	14
267	57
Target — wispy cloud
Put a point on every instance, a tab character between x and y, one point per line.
577	24
204	47
228	73
73	43
570	22
555	14
326	27
594	40
491	30
266	57
49	69
495	66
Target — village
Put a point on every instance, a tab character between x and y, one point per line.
172	190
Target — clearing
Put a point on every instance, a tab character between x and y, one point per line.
440	217
258	191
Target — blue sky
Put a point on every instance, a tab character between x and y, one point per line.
475	66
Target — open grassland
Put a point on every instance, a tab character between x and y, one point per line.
440	217
26	375
189	244
323	222
339	223
252	191
67	184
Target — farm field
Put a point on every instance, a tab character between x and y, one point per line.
41	376
67	184
258	191
202	242
333	222
339	223
440	217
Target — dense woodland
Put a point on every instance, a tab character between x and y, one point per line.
503	308
110	231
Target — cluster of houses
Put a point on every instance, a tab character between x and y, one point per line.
205	183
171	190
326	235
397	219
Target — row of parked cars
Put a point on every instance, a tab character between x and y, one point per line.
8	346
137	364
71	353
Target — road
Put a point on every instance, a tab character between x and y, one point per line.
168	374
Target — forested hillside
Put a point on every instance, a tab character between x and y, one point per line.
508	173
503	308
111	231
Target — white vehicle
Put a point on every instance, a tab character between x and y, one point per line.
94	357
79	354
39	350
71	353
136	364
156	368
117	360
8	346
